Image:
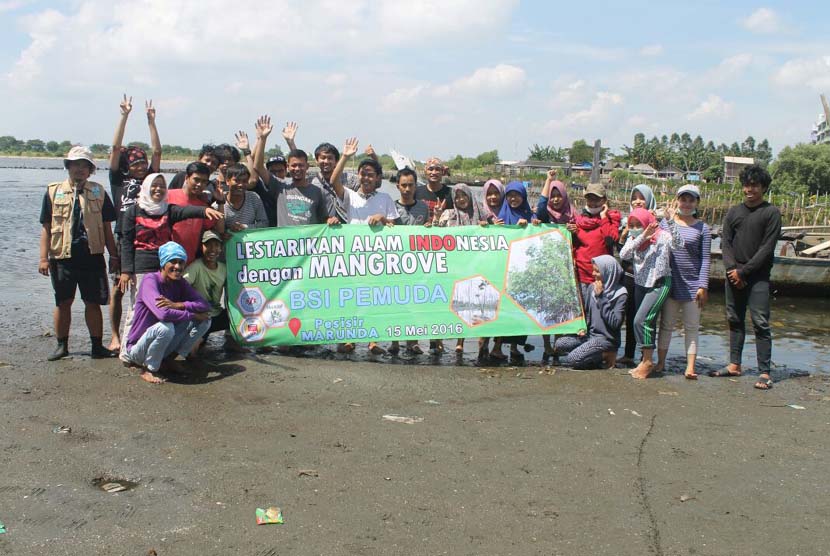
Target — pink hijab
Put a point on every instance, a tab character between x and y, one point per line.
500	188
565	215
645	218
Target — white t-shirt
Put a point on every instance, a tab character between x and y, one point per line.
359	209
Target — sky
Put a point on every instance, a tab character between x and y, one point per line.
429	78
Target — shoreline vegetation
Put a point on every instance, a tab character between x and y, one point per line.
801	173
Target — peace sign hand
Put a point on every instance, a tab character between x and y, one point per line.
151	111
671	209
126	105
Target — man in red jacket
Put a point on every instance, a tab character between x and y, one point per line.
595	232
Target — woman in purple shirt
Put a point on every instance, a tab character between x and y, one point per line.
689	279
169	317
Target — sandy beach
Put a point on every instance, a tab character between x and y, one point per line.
511	460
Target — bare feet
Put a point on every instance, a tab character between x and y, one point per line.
147	376
642	370
459	347
115	344
395	348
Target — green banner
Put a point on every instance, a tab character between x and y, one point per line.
331	284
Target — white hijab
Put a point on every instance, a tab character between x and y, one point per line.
146	203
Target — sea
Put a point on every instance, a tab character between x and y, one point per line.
801	326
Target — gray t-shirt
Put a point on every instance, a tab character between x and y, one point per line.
333	204
298	206
251	213
415	214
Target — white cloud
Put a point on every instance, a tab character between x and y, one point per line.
597	112
713	106
813	73
762	20
729	69
498	80
11	5
652	50
401	98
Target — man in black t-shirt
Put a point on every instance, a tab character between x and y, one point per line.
76	217
750	233
436	195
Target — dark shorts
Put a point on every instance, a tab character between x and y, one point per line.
89	275
218	323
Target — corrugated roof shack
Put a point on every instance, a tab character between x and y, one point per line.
732	166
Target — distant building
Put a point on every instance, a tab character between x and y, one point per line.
670	173
644	170
821	131
518	169
732	166
693	176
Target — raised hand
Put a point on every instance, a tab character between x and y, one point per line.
126	105
370	151
242	141
263	126
289	131
151	111
552	174
213	214
350	148
650	230
671	209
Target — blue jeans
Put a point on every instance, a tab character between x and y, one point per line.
163	339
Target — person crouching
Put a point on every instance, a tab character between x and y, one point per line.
170	317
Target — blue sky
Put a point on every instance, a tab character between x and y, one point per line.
438	77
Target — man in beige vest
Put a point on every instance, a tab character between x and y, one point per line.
76	216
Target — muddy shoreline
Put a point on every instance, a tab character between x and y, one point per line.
509	460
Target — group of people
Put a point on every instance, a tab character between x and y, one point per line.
166	251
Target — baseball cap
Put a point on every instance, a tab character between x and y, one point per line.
689	189
595	189
276	159
209	235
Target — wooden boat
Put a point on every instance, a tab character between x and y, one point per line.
801	268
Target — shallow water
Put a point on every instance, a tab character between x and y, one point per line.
801	327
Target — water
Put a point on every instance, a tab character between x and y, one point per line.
801	327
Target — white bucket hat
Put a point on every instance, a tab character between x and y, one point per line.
79	152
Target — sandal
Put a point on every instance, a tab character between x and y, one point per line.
498	356
416	349
764	384
724	372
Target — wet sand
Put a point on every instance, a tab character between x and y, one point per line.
505	461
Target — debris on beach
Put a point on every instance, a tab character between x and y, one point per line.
670	393
61	429
270	515
794	406
686	497
403	419
631	411
336	380
308	473
2	528
432	402
113	487
611	411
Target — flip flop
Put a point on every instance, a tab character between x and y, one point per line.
724	372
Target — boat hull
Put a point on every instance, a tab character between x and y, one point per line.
797	276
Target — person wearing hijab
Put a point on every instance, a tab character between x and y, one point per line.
650	249
465	212
170	317
493	199
604	316
515	210
641	197
145	227
554	207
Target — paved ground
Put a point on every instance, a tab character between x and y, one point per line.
505	461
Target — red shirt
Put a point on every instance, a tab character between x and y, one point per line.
188	233
594	236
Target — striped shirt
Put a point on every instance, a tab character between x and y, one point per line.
251	213
690	264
